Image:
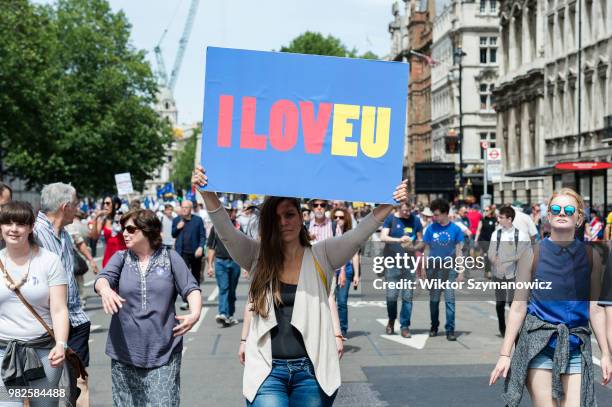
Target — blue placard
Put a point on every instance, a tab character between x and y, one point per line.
303	125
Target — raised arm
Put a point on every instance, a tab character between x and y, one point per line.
242	248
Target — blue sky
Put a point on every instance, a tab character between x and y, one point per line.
259	25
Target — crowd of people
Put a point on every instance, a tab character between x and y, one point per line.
301	257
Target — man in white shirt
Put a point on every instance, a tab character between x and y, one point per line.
508	244
523	222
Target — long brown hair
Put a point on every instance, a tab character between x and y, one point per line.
348	223
271	256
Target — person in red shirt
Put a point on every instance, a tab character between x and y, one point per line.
475	216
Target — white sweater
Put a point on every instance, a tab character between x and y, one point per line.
311	314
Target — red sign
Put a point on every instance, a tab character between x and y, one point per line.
493	154
583	166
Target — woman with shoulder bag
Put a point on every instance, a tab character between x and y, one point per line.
288	347
553	355
30	356
139	287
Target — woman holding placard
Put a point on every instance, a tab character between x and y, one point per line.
288	345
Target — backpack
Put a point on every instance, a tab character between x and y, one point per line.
516	238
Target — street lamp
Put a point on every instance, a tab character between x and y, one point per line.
458	55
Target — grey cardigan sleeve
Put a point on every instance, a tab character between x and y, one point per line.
339	250
242	248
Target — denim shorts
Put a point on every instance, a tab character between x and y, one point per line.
544	360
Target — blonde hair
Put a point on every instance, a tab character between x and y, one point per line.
573	194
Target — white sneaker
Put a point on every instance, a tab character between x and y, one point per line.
221	319
231	321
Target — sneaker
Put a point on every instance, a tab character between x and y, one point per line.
221	318
389	329
450	336
433	332
231	321
185	306
406	332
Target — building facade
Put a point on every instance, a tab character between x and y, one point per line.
553	98
466	38
519	97
411	37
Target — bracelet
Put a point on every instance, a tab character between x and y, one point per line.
242	340
501	354
339	336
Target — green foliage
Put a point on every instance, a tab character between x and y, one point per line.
75	97
316	43
184	162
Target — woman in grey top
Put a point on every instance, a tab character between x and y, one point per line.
139	287
288	345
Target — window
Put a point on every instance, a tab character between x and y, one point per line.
488	50
490	137
483	6
493	5
486	98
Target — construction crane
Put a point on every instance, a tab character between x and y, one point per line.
162	74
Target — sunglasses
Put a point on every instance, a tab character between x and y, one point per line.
107	203
131	229
319	205
569	210
339	217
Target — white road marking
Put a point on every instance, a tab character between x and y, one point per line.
416	341
210	298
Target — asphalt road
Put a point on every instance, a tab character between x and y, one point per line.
377	369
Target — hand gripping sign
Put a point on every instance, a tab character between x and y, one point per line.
303	125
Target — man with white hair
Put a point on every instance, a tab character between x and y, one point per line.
58	206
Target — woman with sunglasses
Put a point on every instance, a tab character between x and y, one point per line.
139	287
348	275
553	354
107	222
288	344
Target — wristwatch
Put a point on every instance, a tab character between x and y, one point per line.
64	344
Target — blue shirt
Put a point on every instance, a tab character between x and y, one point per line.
567	268
62	246
399	227
442	240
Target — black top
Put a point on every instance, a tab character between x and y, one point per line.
287	342
489	223
214	242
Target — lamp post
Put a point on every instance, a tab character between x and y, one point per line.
458	55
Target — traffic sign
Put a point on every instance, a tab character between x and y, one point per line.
494	154
484	144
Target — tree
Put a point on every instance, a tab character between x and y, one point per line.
184	162
76	98
316	43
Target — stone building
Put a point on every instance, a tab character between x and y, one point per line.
519	98
470	29
411	36
554	98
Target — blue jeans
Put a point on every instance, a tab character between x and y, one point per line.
449	299
342	294
396	275
291	383
227	273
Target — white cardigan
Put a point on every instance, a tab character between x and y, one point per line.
311	314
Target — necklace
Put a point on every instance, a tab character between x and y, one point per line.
15	286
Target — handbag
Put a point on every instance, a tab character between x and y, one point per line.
80	265
73	360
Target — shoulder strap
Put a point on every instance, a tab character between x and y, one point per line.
536	257
589	250
499	232
516	239
26	303
321	273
